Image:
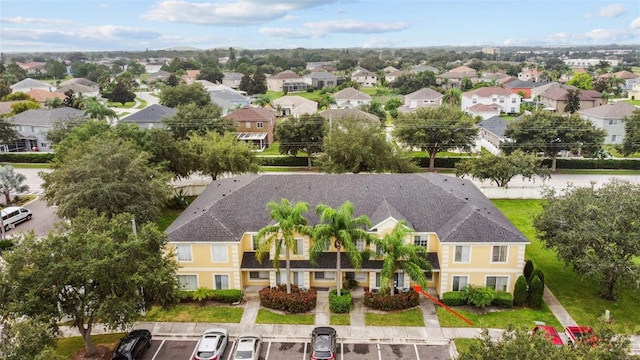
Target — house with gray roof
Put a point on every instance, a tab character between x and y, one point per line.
350	114
33	125
29	84
321	79
491	134
228	100
421	98
611	118
150	117
467	240
350	97
232	79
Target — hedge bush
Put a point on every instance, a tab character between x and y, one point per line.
228	296
283	160
520	291
26	157
577	163
454	298
539	274
528	270
536	289
502	299
387	302
340	304
297	302
204	294
479	296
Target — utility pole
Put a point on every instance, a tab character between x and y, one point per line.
133	226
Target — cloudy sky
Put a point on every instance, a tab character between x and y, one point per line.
92	25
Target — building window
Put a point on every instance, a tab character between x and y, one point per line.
474	101
324	275
219	253
188	282
461	254
501	100
360	244
360	276
614	138
421	240
459	283
513	100
248	124
499	254
513	110
298	249
255	243
184	252
497	283
297	278
237	124
495	99
221	282
377	280
613	121
259	125
259	275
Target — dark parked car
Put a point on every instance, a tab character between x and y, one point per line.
133	346
323	343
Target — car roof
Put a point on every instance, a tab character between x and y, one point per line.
247	342
210	339
11	208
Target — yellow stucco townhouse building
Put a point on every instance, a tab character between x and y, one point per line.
468	240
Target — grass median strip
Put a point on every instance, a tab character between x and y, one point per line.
69	346
340	319
269	317
411	317
195	313
498	319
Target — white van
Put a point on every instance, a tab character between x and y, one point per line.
13	215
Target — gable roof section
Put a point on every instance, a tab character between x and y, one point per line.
30	83
488	92
424	93
495	124
284	75
80	81
453	208
463	69
250	113
45	117
520	84
617	110
294	101
560	93
351	94
151	114
42	95
233	76
351	113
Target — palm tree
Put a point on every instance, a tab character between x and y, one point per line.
289	223
96	110
263	100
453	97
11	181
615	84
397	254
344	230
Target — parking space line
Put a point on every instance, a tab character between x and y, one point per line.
379	352
233	344
266	356
304	353
193	354
342	351
415	347
157	351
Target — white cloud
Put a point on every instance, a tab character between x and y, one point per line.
381	42
104	6
229	13
635	24
323	28
287	33
613	10
595	36
35	21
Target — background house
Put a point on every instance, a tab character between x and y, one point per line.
555	98
350	114
491	134
493	98
293	105
29	84
467	239
286	80
364	78
232	79
150	117
610	117
320	80
421	98
350	97
254	125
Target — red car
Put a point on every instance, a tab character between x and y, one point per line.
550	333
580	335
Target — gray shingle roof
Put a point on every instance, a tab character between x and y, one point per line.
453	208
617	110
45	117
495	125
151	114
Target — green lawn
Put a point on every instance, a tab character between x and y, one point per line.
68	346
411	317
464	344
270	317
499	319
143	104
27	165
195	313
579	297
127	105
340	319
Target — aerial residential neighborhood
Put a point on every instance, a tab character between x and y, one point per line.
319	181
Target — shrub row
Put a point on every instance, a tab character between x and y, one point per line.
500	299
388	302
297	302
26	157
340	304
283	160
203	294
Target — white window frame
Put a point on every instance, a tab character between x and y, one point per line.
360	276
260	125
326	275
248	124
299	249
504	254
506	284
462	260
262	275
421	240
216	255
179	252
466	282
613	122
298	278
360	244
182	283
221	276
614	138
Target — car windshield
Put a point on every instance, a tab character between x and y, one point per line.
244	354
206	354
322	354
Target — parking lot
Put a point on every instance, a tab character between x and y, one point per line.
184	350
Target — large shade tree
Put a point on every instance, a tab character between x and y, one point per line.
595	230
109	175
192	118
552	133
500	169
398	253
304	133
281	236
339	227
182	94
436	129
215	155
92	269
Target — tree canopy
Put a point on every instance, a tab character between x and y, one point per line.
351	146
631	142
436	129
500	169
199	119
93	269
552	133
182	94
109	175
305	133
217	154
595	230
582	81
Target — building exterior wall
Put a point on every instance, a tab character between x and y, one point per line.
614	127
508	104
